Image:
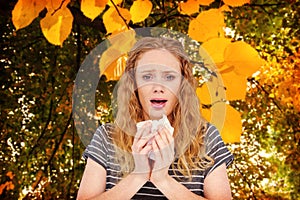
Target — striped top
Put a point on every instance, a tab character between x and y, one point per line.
101	150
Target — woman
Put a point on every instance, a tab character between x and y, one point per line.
189	163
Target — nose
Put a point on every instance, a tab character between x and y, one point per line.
158	88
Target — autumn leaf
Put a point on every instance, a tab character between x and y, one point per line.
215	48
204	94
140	10
25	11
115	69
101	3
10	174
235	85
92	9
113	60
236	3
116	2
123	41
205	2
243	58
232	129
54	5
208	24
189	7
113	21
57	27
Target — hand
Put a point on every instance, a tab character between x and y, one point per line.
163	149
140	150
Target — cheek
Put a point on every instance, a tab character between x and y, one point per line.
143	92
174	88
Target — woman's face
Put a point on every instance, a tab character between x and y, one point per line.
158	78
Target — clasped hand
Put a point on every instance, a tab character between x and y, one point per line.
160	144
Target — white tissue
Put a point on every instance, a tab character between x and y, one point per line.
155	124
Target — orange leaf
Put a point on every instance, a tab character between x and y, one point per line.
208	24
235	84
113	60
232	130
90	9
189	7
101	3
115	69
204	94
54	5
25	11
225	8
140	10
116	2
205	2
57	27
123	41
10	175
215	48
236	3
243	57
113	21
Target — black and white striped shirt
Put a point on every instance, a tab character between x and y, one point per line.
101	150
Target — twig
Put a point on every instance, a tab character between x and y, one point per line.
54	151
55	10
245	179
265	91
124	20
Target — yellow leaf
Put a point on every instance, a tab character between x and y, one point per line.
116	2
112	62
113	21
189	7
123	41
57	27
243	57
204	94
115	69
236	3
140	10
25	11
101	3
232	129
215	48
206	113
205	2
54	5
235	85
90	9
225	8
208	24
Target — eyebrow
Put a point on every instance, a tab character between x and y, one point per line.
153	70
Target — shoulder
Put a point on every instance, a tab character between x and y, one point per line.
104	131
211	133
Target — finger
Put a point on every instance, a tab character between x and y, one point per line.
164	132
161	143
146	149
145	129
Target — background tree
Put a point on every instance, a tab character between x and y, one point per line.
40	150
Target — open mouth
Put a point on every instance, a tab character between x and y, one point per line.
158	103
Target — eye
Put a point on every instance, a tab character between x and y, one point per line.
170	77
147	77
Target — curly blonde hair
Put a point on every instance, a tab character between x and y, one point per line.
189	126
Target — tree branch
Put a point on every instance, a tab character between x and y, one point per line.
81	19
54	151
124	20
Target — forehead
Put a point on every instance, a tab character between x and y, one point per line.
159	57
